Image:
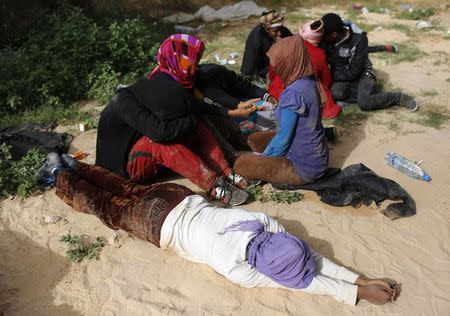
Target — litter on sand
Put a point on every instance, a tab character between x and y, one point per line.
238	11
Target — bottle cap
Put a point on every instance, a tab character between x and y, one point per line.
426	177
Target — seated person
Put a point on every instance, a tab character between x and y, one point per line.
312	33
227	88
156	123
298	153
351	69
261	38
248	248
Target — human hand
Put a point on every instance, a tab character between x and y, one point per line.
241	112
247	104
272	100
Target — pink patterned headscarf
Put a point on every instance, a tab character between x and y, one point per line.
312	36
179	56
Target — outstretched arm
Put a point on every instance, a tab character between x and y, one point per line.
281	143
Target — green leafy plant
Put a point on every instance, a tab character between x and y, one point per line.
81	247
256	193
18	177
416	14
103	82
61	56
285	196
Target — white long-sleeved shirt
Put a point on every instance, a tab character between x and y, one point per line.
191	230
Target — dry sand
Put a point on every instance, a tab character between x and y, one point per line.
140	279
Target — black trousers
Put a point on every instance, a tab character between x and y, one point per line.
365	93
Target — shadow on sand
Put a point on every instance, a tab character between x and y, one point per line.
351	131
28	274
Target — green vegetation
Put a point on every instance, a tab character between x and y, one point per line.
429	93
435	117
350	116
48	115
416	14
297	17
18	177
80	247
366	27
65	56
407	52
285	196
257	194
401	28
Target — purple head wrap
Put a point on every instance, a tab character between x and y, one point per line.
282	257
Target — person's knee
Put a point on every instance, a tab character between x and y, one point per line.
364	103
242	164
338	91
252	141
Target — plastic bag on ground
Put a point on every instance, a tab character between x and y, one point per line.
239	11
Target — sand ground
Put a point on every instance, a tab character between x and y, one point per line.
138	279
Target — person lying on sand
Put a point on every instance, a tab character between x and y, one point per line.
248	248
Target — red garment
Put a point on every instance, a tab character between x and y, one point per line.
200	159
321	72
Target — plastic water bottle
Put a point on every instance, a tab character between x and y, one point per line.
407	167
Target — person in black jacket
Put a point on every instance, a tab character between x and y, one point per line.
351	69
228	89
261	38
157	123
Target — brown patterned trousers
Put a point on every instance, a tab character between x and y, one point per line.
119	203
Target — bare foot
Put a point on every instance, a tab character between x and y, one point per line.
375	293
388	286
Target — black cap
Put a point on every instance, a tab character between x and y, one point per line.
332	23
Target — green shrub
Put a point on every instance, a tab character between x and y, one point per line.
52	65
132	47
18	177
103	82
80	247
66	56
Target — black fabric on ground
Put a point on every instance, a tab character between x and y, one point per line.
23	138
358	184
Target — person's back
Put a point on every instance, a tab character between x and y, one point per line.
158	108
259	41
115	135
320	65
194	230
308	151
